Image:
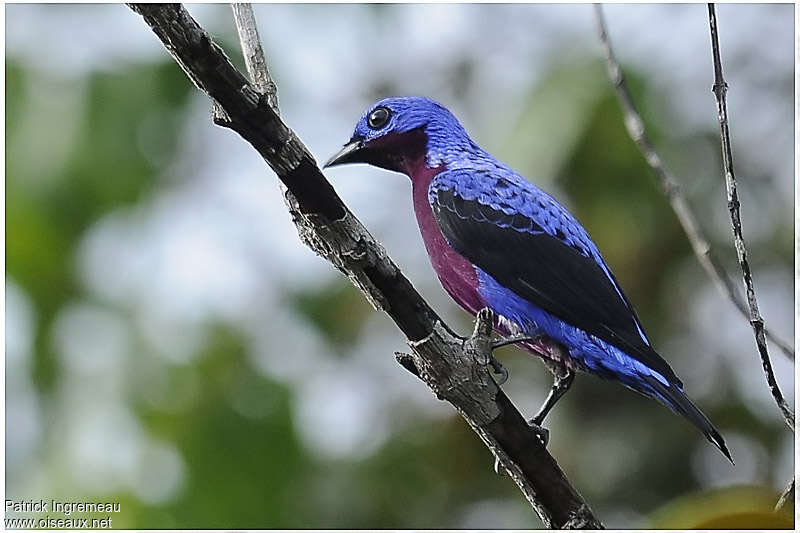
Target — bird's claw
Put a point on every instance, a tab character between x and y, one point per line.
498	368
486	315
543	434
498	468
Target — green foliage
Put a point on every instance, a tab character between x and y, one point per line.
338	311
15	95
233	459
50	207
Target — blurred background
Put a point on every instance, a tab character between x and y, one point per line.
171	345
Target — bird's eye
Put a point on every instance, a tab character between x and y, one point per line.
378	118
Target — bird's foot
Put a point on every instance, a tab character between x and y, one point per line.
498	368
480	342
543	434
480	345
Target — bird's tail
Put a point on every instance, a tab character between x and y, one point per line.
674	398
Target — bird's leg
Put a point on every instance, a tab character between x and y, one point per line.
553	356
514	339
563	377
561	385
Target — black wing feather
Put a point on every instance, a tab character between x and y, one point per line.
545	271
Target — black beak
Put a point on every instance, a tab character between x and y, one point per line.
350	153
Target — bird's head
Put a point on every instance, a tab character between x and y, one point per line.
396	134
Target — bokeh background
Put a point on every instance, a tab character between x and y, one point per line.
171	345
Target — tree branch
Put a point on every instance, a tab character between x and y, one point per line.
669	185
254	55
787	497
442	359
720	92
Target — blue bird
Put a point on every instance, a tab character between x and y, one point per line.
496	240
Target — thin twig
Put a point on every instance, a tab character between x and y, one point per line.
636	129
326	225
256	64
254	54
720	92
787	497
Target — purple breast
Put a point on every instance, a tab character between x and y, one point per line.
456	273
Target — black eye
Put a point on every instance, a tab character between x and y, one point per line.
378	118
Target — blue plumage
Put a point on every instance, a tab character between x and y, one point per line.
504	190
589	352
496	240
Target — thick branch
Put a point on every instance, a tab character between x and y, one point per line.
720	91
669	185
327	226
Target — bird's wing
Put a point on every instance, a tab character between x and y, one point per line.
531	245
